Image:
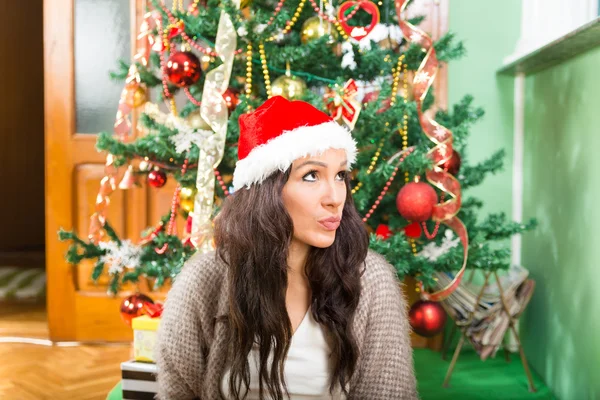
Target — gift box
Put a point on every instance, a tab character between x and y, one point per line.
138	380
144	337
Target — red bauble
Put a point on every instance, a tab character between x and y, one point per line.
452	165
157	178
415	201
183	68
413	230
427	318
134	306
383	231
231	99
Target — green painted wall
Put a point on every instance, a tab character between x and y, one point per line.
562	190
489	31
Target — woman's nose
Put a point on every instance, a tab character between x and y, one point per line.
334	194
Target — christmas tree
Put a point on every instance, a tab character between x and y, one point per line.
210	61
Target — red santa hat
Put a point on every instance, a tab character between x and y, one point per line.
281	131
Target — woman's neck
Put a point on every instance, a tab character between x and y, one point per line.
297	255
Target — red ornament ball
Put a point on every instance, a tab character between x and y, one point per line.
413	230
427	318
231	99
157	178
452	165
183	68
415	201
134	306
383	231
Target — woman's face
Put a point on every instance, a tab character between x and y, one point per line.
314	196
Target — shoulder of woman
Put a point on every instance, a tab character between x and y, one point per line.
201	274
378	271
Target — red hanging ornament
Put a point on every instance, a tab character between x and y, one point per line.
413	230
183	68
415	201
157	178
452	165
231	99
383	231
427	318
358	32
134	306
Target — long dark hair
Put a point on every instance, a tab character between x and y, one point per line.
253	233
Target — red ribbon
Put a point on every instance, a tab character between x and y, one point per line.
153	310
442	151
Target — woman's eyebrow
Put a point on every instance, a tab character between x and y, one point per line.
319	163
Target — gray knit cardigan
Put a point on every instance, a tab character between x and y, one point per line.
193	341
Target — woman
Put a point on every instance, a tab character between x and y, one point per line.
292	302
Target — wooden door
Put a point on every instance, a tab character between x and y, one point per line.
83	39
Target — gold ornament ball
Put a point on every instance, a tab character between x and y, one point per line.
197	122
187	205
245	3
315	28
290	87
136	97
186	198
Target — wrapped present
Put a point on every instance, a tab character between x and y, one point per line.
138	380
144	337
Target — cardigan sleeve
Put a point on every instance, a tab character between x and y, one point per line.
179	354
386	368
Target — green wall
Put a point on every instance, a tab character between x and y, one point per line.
562	190
489	31
561	187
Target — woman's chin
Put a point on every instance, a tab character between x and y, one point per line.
323	240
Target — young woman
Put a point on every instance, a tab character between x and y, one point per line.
292	302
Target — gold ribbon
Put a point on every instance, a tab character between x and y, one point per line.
442	138
214	111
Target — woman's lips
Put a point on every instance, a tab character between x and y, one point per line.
330	225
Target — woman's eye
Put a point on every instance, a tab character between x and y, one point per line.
310	177
342	175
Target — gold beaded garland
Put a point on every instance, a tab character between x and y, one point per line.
249	71
263	61
291	22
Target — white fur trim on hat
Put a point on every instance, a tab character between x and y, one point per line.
279	153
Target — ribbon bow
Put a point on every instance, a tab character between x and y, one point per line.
153	310
341	103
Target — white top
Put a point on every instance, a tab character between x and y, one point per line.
307	368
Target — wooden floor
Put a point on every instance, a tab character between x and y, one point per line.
65	371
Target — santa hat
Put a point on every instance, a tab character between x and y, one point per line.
281	131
